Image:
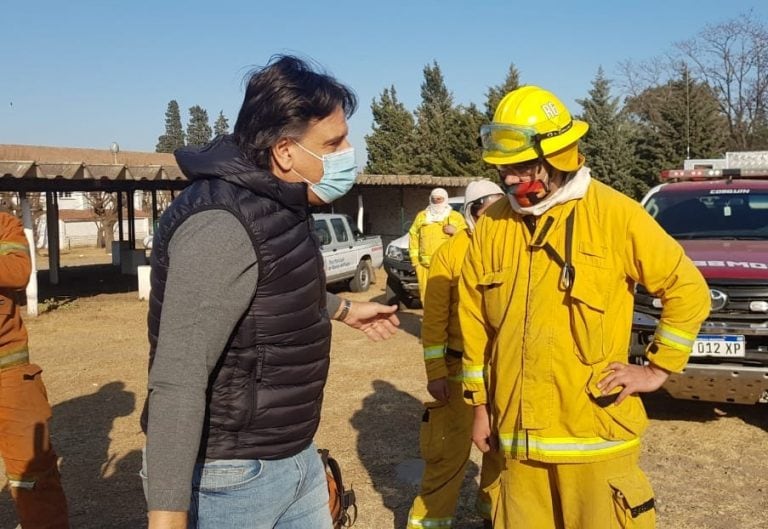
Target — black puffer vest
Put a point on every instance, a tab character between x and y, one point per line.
265	394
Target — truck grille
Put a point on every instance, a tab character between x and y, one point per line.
731	302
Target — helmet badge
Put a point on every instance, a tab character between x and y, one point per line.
550	110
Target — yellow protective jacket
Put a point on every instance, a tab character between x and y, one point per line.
15	267
535	351
426	237
440	325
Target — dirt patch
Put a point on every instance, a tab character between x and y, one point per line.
708	464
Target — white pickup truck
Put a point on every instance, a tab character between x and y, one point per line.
347	253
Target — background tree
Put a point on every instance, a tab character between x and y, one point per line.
433	126
608	144
174	133
464	142
446	135
391	143
222	125
495	93
732	58
104	206
198	129
677	120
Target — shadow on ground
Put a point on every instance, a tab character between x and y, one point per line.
85	281
81	430
661	406
388	438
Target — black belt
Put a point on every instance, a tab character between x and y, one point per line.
454	353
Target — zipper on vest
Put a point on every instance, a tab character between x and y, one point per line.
259	362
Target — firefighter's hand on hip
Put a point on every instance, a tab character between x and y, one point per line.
633	378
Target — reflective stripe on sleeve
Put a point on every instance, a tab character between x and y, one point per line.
473	374
675	338
434	351
11	247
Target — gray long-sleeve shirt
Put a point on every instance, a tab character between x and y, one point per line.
212	277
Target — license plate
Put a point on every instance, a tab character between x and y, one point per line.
720	345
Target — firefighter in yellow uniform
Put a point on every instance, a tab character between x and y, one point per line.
430	229
546	297
446	428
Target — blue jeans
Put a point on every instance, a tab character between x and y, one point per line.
290	493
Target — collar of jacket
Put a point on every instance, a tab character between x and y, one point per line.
222	158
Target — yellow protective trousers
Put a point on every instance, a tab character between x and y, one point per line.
445	440
422	275
612	494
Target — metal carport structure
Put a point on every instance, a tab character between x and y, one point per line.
51	178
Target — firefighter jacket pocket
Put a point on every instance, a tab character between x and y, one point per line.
432	432
587	312
633	501
624	422
495	295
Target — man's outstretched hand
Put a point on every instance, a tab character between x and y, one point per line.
377	321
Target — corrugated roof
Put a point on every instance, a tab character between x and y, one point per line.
87	156
83	171
51	163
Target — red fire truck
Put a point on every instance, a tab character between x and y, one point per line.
720	217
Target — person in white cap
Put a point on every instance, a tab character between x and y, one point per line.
430	229
446	428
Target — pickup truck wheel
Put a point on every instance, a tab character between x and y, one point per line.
362	280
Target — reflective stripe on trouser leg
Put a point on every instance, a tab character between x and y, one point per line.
445	441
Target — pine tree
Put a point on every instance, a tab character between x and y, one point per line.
464	142
198	129
434	118
222	125
391	144
495	93
174	133
607	145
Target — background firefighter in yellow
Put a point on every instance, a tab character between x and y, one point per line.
446	428
545	305
431	228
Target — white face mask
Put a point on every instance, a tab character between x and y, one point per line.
339	173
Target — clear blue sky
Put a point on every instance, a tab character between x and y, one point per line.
86	73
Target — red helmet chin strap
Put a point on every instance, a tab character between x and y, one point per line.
530	193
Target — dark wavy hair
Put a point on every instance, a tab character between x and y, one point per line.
281	100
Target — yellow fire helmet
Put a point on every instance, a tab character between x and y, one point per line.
531	123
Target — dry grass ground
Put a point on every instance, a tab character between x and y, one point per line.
708	464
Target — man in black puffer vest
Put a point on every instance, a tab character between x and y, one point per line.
239	319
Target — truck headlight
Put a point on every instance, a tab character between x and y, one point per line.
395	253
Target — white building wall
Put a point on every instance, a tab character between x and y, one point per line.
73	234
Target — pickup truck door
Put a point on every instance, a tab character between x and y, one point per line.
340	256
